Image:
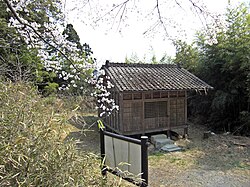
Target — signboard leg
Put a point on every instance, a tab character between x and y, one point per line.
144	160
102	144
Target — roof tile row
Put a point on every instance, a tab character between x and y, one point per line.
145	77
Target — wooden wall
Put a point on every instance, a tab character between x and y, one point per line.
146	112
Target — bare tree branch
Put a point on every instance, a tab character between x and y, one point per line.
7	47
202	12
117	14
196	6
15	70
1	58
152	27
160	18
115	7
179	4
124	8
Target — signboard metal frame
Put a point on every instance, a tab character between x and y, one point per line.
144	156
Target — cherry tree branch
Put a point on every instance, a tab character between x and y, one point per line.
37	33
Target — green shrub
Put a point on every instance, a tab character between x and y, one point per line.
51	88
32	152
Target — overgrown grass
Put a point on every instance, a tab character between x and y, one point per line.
171	160
32	150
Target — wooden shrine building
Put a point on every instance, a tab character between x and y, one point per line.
151	97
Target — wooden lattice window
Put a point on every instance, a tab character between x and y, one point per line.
155	109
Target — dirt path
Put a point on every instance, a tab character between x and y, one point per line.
199	177
219	161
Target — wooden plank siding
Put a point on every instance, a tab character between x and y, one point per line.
168	111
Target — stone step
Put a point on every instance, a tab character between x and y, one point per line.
161	142
171	148
154	138
157	137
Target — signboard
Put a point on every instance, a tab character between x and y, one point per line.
123	154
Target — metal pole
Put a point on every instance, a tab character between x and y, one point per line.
102	146
144	160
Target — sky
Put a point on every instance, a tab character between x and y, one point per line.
137	34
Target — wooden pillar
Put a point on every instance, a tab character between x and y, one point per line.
185	107
169	134
176	109
143	114
121	128
186	128
168	111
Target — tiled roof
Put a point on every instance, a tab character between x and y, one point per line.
145	77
